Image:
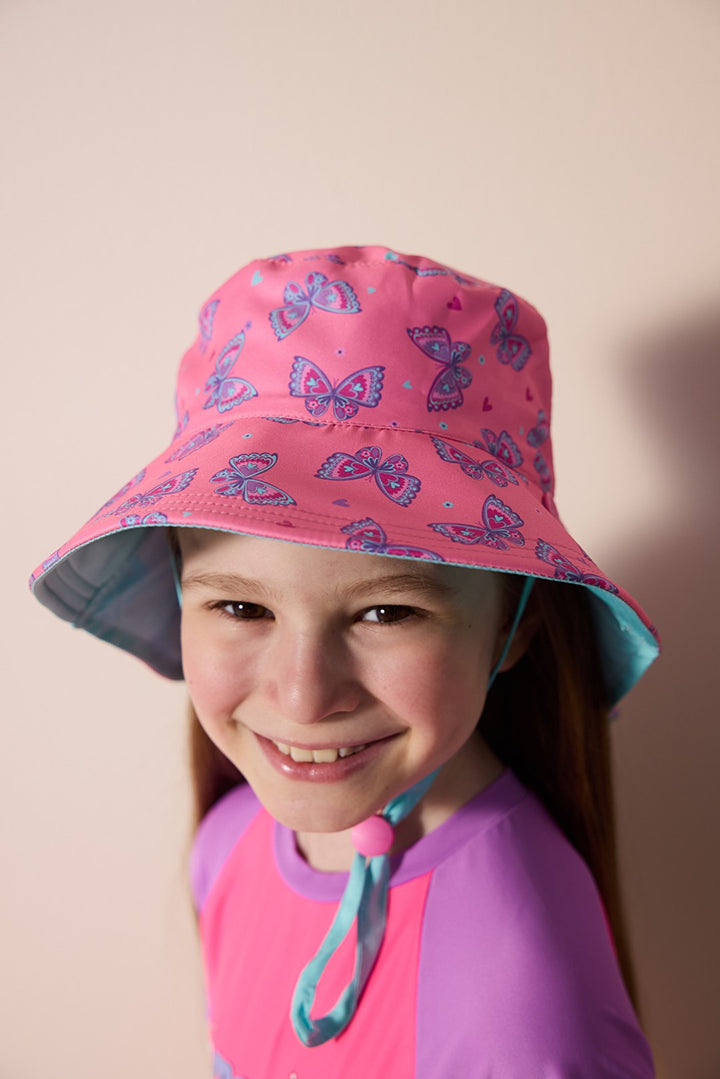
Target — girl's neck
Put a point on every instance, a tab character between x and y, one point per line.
469	772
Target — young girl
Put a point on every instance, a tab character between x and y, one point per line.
401	666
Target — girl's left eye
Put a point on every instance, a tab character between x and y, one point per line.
387	614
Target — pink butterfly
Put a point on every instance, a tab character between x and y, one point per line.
390	475
363	387
200	439
148	519
368	536
513	348
226	392
334	296
170	486
499	523
543	470
241	479
539	434
206	320
452	378
123	491
475	469
502	446
566	571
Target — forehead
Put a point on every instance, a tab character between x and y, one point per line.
207	551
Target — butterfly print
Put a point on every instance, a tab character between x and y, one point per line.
430	271
390	475
197	441
363	387
452	378
543	470
500	525
513	348
368	536
123	491
149	519
334	296
170	486
566	571
206	320
539	434
475	469
241	478
51	560
182	421
226	392
501	446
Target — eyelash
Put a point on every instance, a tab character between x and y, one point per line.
255	612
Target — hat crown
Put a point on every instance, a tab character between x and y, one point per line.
366	337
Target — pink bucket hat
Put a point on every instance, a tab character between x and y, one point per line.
348	398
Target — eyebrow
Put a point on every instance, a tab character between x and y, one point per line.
417	583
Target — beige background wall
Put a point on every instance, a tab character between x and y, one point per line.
567	148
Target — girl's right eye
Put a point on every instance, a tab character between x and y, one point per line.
241	610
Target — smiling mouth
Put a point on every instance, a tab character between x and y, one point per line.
317	756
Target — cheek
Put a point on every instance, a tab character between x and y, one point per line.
212	676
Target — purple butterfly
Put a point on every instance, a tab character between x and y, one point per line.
566	571
499	523
513	348
472	468
543	470
334	296
241	479
447	386
149	519
430	271
182	421
363	387
390	475
226	392
169	486
501	446
206	320
123	491
368	536
200	439
539	434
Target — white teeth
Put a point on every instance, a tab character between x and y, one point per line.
298	754
317	756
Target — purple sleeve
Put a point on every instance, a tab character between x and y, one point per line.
517	975
216	836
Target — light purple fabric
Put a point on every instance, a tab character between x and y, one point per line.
516	977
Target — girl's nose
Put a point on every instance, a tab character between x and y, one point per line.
309	677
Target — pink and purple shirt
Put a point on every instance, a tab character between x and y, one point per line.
496	962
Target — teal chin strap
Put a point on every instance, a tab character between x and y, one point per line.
365	898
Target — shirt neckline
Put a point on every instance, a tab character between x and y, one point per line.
478	815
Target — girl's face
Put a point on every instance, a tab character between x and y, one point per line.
335	680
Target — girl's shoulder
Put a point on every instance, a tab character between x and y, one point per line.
218	832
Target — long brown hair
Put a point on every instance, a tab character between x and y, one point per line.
547	719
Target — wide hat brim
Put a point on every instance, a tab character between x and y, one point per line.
364	430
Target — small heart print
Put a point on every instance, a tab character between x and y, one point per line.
341	502
257	278
407	386
288	524
487	407
370	288
187	513
454	304
528	395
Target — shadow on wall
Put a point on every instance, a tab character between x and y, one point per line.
667	747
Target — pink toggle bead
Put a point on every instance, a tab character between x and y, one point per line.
372	837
